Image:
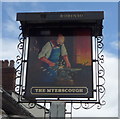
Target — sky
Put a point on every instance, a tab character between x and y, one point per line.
10	32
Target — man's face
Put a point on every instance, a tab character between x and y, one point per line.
60	39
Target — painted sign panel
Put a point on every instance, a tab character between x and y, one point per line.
60	64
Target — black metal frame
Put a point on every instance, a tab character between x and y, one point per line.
85	103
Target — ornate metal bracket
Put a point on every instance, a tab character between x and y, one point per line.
19	61
101	72
86	104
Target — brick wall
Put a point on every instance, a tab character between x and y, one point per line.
8	75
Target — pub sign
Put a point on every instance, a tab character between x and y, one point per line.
59	53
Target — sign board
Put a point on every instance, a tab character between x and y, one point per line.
60	53
60	80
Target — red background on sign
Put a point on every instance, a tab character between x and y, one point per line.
82	47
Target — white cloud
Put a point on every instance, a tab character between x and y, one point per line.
11	13
115	44
9	49
111	75
11	27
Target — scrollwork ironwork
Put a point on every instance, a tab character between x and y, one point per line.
101	72
31	105
76	108
87	104
19	62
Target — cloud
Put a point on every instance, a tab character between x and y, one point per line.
115	44
11	13
9	23
9	49
11	27
111	75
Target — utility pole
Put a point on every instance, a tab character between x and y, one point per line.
57	109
